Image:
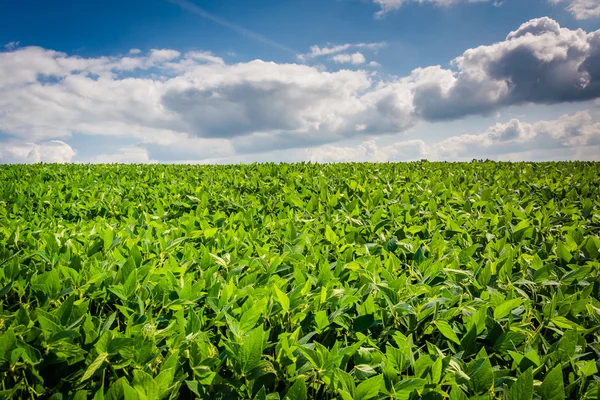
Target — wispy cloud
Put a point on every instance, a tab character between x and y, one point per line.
329	50
193	8
11	45
581	9
390	5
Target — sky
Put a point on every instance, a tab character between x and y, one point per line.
230	81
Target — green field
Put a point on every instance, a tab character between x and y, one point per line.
348	281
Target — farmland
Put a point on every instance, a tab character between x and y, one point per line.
347	281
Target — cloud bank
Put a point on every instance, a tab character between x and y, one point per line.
570	136
164	98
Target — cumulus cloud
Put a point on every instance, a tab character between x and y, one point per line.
163	97
163	54
538	63
581	9
54	151
355	58
569	132
53	95
390	5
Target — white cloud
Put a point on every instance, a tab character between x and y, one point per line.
135	51
316	51
128	155
366	151
286	102
390	5
54	151
538	63
581	9
257	106
329	50
204	56
163	54
569	133
573	136
355	58
408	150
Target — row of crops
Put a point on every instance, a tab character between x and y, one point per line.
350	281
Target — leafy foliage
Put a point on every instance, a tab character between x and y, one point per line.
349	281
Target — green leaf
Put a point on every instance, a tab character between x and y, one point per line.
457	393
363	323
506	307
368	389
108	323
250	317
131	284
80	395
119	389
134	252
564	323
589	368
6	289
193	386
406	387
251	350
95	247
282	299
8	342
345	395
145	386
482	375
397	359
591	248
210	232
297	391
465	255
364	371
522	389
446	330
93	367
330	235
261	394
509	341
129	393
321	320
553	386
164	381
563	252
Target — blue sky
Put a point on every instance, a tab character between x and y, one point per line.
192	89
417	34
